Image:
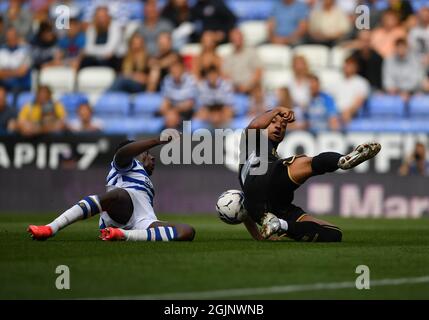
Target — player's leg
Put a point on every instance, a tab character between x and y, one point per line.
310	229
116	202
157	231
305	167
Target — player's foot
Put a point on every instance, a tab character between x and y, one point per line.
111	234
40	232
362	152
270	225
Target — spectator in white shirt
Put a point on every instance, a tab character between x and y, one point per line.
216	98
15	63
352	91
103	38
328	24
402	73
418	37
299	86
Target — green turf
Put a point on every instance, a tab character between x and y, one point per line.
221	257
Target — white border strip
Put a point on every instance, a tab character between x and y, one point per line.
243	292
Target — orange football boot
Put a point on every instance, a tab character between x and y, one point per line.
111	234
40	232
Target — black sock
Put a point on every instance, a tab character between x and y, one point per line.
309	231
325	162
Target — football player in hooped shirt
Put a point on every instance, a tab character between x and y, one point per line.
268	197
126	209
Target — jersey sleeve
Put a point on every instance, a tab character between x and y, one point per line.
125	169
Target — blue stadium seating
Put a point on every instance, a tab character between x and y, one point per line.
388	125
133	126
386	106
241	104
240	123
23	99
147	103
72	101
251	10
112	104
419	106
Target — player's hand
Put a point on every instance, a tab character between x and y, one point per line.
169	135
287	114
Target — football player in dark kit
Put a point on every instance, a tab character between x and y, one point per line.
269	182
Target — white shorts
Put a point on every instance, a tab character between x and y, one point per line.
143	215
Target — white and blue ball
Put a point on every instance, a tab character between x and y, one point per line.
230	207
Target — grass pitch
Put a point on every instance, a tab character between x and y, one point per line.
221	257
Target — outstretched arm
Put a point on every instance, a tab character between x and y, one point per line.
125	155
263	121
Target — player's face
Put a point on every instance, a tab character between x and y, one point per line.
277	129
148	161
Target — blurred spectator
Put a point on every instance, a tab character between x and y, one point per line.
152	27
176	12
299	86
179	91
243	66
208	56
119	10
134	72
403	9
213	15
416	163
328	24
42	116
418	36
284	99
160	64
352	91
15	63
257	102
85	122
71	45
288	22
369	61
384	37
216	98
321	113
402	72
103	38
43	46
7	114
19	18
2	31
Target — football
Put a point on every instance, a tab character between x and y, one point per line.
230	208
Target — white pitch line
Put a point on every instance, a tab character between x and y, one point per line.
243	292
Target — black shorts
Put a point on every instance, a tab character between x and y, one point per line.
272	192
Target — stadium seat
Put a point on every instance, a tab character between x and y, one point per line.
386	106
240	123
317	55
389	125
251	10
72	101
419	106
146	103
94	80
275	79
59	79
133	126
329	78
241	104
112	104
23	99
255	32
190	49
337	56
225	50
274	56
